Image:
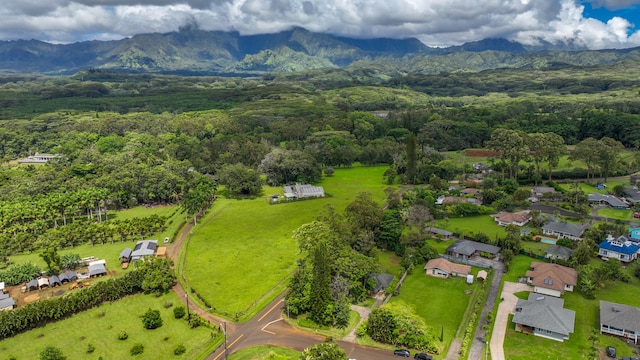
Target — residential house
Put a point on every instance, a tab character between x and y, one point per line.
143	249
383	281
620	248
38	158
519	218
465	249
470	191
620	320
557	252
563	230
6	302
540	191
544	316
480	167
444	268
298	191
607	200
440	233
551	279
447	200
632	195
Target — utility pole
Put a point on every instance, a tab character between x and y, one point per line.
224	330
186	296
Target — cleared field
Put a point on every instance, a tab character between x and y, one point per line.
469	226
100	327
244	248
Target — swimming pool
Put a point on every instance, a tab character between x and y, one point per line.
546	240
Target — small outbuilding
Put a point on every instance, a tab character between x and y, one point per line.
6	302
97	269
482	275
469	279
125	255
43	282
54	281
162	251
32	285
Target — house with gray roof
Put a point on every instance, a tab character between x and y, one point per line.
440	233
465	249
620	320
544	316
608	200
143	249
564	230
557	252
97	269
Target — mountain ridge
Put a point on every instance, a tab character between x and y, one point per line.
195	51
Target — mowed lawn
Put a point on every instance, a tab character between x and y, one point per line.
243	249
441	302
469	226
520	346
100	327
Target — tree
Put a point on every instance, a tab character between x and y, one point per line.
546	147
159	277
199	198
289	166
327	350
241	179
587	151
52	259
70	261
412	159
52	353
320	296
151	319
608	155
511	146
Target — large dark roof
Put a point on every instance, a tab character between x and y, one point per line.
468	247
620	316
545	312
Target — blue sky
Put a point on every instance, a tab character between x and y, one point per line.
593	24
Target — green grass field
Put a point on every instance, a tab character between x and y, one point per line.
616	214
244	248
441	302
469	226
100	327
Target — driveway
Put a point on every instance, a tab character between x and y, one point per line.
505	308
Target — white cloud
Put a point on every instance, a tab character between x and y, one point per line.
435	22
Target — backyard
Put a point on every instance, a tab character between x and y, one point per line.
101	326
441	302
243	249
469	226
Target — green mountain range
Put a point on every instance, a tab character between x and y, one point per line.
193	51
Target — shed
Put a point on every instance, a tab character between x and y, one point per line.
469	279
32	285
7	302
482	275
43	282
63	277
97	270
125	255
98	262
54	281
2	287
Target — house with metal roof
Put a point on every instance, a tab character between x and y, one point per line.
464	249
564	230
299	191
620	320
608	200
631	195
620	248
544	316
551	279
441	233
143	249
557	252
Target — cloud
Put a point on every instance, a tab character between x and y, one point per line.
613	4
435	22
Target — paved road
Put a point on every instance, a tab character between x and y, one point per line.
505	308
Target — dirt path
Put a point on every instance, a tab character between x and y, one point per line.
364	315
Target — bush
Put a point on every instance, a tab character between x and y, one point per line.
90	348
122	335
136	349
151	319
179	350
179	312
168	304
195	321
51	353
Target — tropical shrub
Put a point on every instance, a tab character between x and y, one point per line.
136	349
151	319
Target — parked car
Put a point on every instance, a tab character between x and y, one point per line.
636	215
611	352
401	352
422	356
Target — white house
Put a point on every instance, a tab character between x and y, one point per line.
520	218
620	248
551	279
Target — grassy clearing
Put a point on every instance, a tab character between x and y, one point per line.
244	248
469	226
390	263
616	214
441	302
100	327
302	322
264	353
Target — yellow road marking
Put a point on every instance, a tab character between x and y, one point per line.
273	307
